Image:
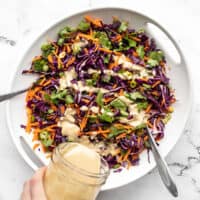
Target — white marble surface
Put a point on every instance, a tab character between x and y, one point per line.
22	20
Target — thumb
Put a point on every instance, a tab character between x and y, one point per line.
36	185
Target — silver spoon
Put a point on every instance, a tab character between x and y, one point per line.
162	166
5	97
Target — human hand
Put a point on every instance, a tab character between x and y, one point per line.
34	189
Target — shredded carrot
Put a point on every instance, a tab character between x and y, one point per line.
86	50
37	97
27	96
117	151
89	37
90	94
123	126
47	83
85	100
62	109
128	59
110	51
35	137
112	65
36	58
155	93
121	92
104	131
97	22
105	50
129	164
60	63
117	38
31	93
163	102
78	111
35	134
117	53
99	128
50	58
53	107
96	47
148	108
115	86
36	146
28	126
91	31
42	81
149	124
135	38
35	124
139	140
145	58
135	54
37	89
158	120
146	138
53	134
44	149
84	122
170	109
135	156
119	159
122	135
104	135
144	79
106	100
155	84
127	155
68	49
173	100
70	61
162	63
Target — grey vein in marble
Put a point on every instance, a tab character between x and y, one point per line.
6	40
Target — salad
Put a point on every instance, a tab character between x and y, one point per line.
100	85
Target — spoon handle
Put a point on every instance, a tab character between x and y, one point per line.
10	95
162	167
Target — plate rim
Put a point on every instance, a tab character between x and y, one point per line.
62	19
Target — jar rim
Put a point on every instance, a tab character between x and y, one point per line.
104	172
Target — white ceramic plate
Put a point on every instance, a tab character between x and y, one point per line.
179	76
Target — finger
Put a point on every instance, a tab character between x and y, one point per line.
26	195
36	185
40	173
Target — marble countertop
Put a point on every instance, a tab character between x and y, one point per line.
23	20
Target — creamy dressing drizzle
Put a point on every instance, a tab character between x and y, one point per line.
68	123
65	82
138	117
142	72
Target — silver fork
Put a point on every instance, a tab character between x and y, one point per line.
5	97
163	168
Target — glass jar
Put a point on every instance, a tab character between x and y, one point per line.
65	181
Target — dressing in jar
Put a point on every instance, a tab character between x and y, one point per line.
75	173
